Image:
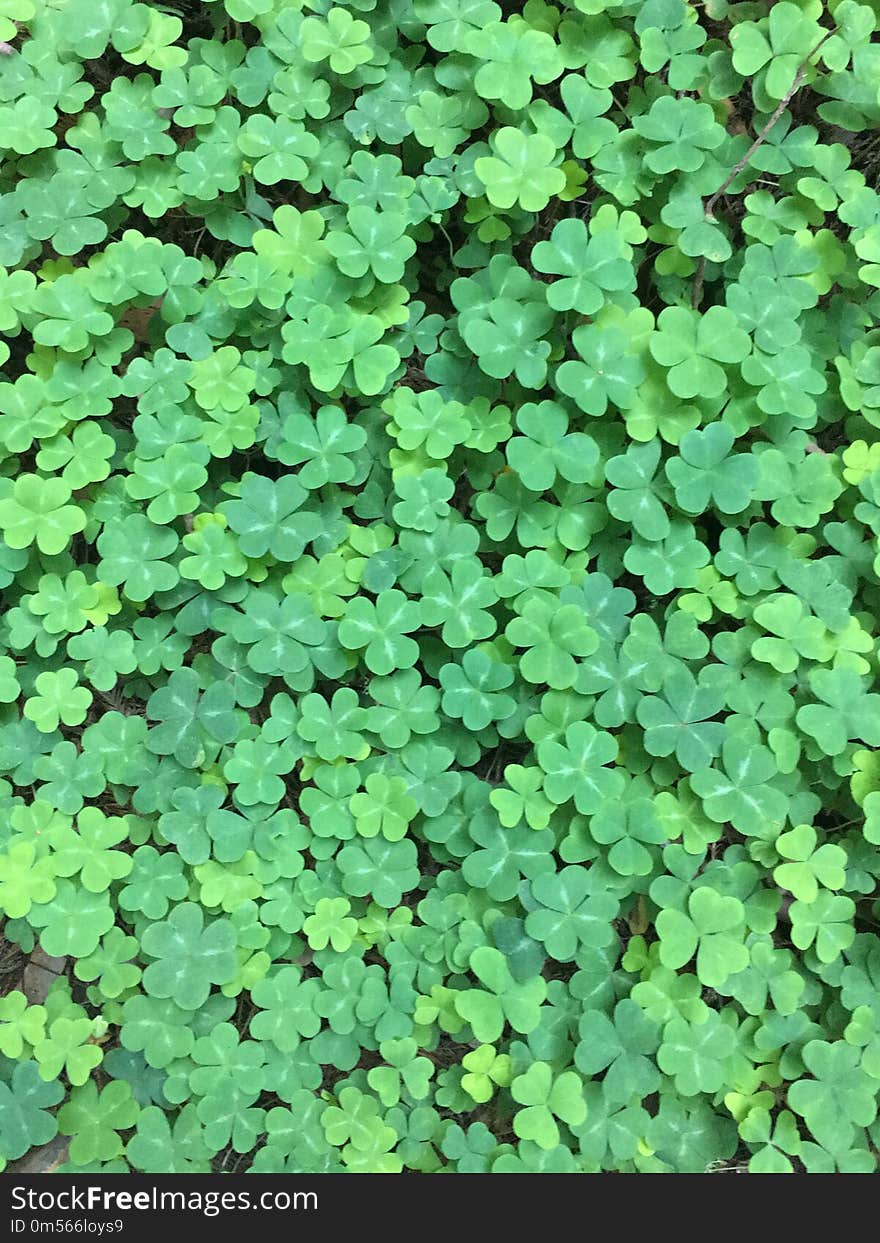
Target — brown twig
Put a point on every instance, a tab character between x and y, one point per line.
738	167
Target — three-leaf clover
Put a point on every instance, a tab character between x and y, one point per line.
712	928
189	956
545	1098
521	171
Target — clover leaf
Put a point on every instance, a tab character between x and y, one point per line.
570	913
545	1099
189	956
712	929
37	511
502	1000
26	1121
521	171
590	267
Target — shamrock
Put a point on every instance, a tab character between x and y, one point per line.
610	1133
355	1123
157	1145
808	866
679	722
188	824
458	600
278	633
88	852
608	370
382	629
681	130
25	1121
256	768
266	518
690	1137
64	604
825	921
81	458
340	344
767	978
111	964
845	711
511	56
281	148
69	315
70	776
426	420
521	170
106	655
621	1046
801	491
629	827
331	925
26	125
384	869
161	1029
325	444
423	499
400	707
189	956
21	881
36	510
523	800
694	1053
546	1097
286	1004
73	921
94	1119
20	1023
469	690
185	714
383	807
704	471
571	911
590	266
701	236
633	497
838	1096
795	634
507	337
712	929
693	348
376	242
576	768
334	727
784	39
339	38
172	481
59	697
553	637
66	1047
505	857
547	448
24	879
486	1069
503	1000
740	793
404	1074
442	122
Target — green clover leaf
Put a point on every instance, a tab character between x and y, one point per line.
189	956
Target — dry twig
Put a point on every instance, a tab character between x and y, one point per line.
738	167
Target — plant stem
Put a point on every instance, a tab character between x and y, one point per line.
738	167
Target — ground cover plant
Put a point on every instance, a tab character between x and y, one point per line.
440	499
